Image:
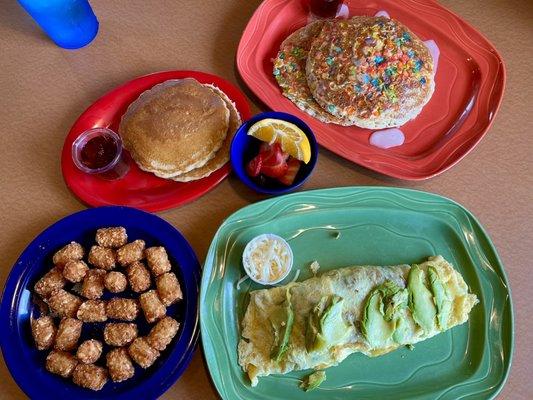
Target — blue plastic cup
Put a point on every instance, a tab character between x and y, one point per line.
71	24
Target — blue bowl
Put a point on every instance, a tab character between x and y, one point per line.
244	148
27	364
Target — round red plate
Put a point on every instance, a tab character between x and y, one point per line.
138	188
469	86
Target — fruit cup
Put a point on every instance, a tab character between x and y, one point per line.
244	148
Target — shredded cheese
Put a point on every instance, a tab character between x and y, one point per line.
296	275
243	279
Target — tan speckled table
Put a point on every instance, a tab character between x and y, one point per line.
44	88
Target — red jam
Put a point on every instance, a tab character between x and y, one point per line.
98	152
324	8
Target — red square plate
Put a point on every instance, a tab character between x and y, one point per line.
139	189
470	81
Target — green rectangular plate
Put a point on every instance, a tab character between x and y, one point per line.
378	226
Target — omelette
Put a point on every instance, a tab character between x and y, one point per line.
318	322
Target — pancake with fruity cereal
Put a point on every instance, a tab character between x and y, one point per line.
289	71
372	72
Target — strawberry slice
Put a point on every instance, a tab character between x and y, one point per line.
274	161
274	171
272	154
265	148
253	168
293	166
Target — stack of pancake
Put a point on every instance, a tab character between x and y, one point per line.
180	129
372	72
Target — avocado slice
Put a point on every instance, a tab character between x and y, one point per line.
441	297
382	318
421	299
313	381
325	324
282	325
402	332
376	329
394	299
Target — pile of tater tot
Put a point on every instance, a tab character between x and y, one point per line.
114	265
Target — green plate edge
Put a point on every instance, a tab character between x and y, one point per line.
484	246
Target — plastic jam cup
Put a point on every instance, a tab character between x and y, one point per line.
98	151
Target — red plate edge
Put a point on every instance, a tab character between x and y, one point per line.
452	157
93	117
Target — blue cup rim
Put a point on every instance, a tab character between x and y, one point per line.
236	157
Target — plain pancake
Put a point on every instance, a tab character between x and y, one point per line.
222	155
371	71
289	71
174	127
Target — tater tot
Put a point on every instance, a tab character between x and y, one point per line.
72	251
162	333
168	288
53	280
89	376
68	334
122	309
92	311
89	351
63	303
115	282
138	276
130	252
119	365
142	353
102	257
61	363
93	284
152	307
157	259
43	331
119	333
75	270
111	237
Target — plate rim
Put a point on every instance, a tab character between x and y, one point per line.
207	269
363	161
11	287
171	201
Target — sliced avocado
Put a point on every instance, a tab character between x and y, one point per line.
375	327
325	324
378	327
333	327
282	325
402	332
394	298
313	381
421	299
389	288
441	297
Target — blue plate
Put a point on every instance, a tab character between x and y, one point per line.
244	148
27	364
